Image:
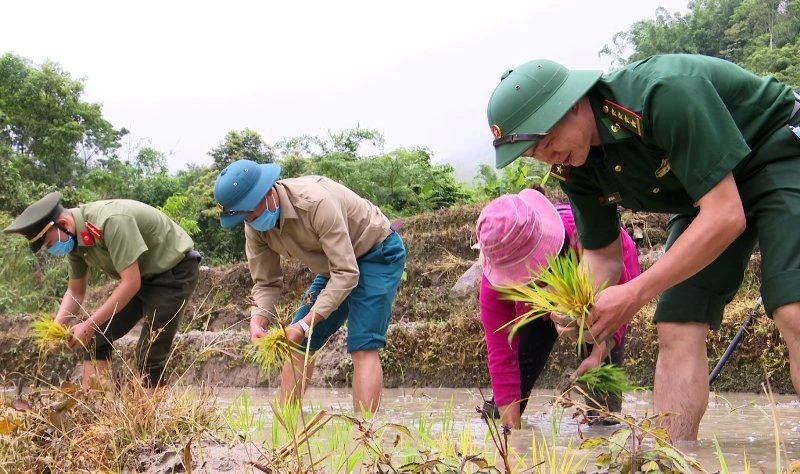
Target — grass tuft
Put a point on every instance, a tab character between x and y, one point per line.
607	380
563	287
269	352
48	334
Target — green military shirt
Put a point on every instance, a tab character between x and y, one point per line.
113	234
671	128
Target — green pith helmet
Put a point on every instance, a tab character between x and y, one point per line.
529	101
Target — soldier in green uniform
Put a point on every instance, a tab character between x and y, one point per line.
139	245
694	136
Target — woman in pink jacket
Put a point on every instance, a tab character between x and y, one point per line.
517	233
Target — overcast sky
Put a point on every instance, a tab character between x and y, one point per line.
183	74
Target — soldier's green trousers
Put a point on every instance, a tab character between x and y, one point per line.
161	301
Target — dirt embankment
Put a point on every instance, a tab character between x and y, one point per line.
434	339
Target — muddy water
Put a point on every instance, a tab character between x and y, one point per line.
743	423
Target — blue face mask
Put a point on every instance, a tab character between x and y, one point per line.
266	220
60	248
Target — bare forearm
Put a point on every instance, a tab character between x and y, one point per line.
510	415
119	298
70	305
72	299
605	264
720	221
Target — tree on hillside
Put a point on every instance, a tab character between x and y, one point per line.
51	133
110	178
149	162
761	35
522	173
667	33
144	178
755	18
349	141
219	244
780	62
246	144
406	181
709	20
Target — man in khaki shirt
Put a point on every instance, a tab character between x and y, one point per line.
139	245
345	239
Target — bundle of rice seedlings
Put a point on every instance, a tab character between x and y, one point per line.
48	334
563	287
269	352
607	380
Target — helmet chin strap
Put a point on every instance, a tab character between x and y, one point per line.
61	227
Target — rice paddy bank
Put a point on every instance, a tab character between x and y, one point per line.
434	339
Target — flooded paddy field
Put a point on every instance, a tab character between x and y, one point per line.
742	423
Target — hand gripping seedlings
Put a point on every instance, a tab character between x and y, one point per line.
563	287
607	380
270	351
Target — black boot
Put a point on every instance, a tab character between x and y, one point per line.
489	410
606	404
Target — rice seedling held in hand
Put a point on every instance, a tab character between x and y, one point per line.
49	334
606	380
564	287
270	351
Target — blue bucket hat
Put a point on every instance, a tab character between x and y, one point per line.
240	187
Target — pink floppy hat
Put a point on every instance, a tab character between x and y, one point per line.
517	233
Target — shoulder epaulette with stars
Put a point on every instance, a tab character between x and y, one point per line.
622	116
560	172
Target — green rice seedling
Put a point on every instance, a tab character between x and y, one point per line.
243	419
563	287
723	465
270	351
607	380
48	334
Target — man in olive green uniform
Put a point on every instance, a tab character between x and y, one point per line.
343	238
695	136
130	241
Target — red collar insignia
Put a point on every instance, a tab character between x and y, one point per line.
86	238
90	235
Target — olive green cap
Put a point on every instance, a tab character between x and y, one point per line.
529	101
36	219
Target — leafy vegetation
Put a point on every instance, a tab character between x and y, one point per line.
760	35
